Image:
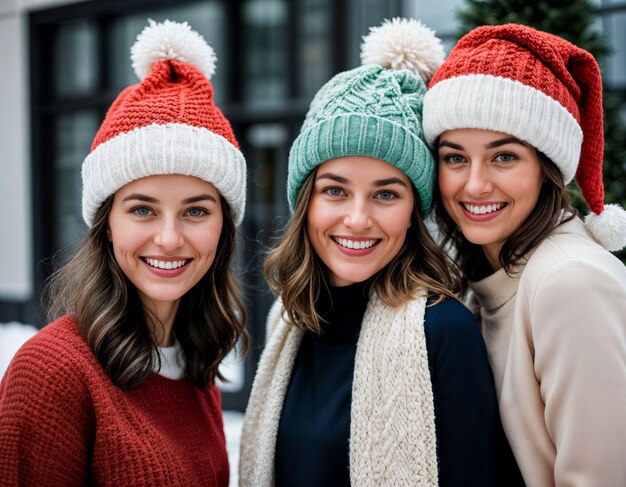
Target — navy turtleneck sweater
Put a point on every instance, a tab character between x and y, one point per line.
314	429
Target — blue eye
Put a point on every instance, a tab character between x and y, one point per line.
196	212
142	211
505	157
387	195
333	191
454	159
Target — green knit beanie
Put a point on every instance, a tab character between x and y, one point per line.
374	110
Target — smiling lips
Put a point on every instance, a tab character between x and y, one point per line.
356	246
170	267
482	212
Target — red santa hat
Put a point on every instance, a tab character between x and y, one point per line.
539	88
166	124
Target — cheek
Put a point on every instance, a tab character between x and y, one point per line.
123	249
396	223
126	236
401	233
318	216
316	227
528	188
206	239
122	252
313	228
448	183
120	239
119	231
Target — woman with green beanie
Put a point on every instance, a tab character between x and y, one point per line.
373	373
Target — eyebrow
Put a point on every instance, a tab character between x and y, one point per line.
506	140
140	197
385	182
445	143
333	177
490	145
150	199
201	197
377	183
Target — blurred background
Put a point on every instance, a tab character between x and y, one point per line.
63	62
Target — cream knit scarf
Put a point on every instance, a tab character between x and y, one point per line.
392	430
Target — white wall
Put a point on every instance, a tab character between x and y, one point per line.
439	15
16	244
40	4
15	194
12	337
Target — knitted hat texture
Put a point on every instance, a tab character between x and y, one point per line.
374	110
166	124
539	88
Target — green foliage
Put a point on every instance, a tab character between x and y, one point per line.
571	20
576	21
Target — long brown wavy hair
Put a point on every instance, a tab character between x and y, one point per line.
296	273
209	322
553	207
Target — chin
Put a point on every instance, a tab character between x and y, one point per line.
163	297
349	278
477	238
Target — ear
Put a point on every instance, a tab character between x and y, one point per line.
109	234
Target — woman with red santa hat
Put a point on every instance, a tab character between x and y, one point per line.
120	388
515	114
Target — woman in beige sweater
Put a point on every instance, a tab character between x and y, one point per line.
514	114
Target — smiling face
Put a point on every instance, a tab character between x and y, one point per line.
358	215
490	183
164	231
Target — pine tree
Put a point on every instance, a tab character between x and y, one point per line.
573	20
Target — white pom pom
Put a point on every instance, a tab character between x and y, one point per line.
403	44
171	40
609	227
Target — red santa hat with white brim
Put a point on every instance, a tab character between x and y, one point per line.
539	88
166	124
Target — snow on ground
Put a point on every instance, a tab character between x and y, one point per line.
13	335
233	420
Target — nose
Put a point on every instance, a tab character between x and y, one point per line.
169	235
358	216
478	181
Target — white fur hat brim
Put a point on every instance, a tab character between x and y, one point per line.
164	149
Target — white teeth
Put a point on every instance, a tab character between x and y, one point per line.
483	209
161	264
355	244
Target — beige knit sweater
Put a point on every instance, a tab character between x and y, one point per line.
556	338
392	430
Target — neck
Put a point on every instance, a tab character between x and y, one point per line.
161	317
492	254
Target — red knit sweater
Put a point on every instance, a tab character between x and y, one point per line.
64	423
